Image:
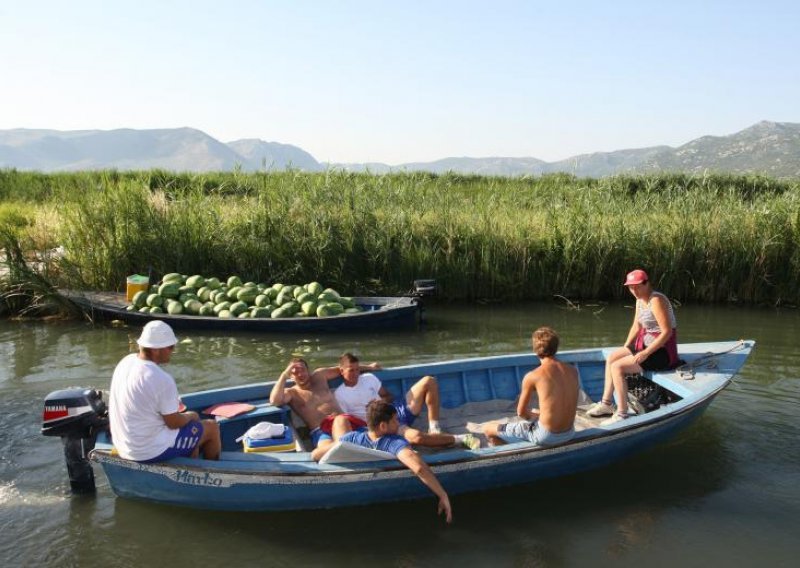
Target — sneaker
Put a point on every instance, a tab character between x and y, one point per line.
616	417
471	442
600	409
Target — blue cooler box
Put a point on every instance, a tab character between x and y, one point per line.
283	443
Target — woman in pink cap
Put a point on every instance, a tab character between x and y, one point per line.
651	346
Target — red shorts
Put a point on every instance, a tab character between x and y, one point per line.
355	422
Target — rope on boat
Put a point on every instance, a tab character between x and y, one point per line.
705	361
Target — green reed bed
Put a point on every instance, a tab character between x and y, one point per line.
703	238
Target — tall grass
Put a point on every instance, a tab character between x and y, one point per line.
703	238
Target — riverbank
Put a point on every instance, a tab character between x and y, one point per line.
709	238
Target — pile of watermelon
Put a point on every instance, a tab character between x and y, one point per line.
200	296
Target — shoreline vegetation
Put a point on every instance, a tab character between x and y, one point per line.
704	238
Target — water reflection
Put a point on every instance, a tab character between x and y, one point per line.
734	471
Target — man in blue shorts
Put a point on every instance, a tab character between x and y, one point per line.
146	425
382	434
556	385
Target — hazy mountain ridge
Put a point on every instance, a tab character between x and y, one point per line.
766	147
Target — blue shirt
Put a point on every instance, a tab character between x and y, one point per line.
391	443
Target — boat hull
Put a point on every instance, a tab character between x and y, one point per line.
292	480
220	489
380	313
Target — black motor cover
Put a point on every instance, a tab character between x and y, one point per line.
73	412
76	415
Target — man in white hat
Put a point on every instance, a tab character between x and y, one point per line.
146	425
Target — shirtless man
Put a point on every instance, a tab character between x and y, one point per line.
557	385
310	398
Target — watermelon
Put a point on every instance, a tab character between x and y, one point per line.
131	308
225	314
192	307
231	293
234	281
260	312
144	310
330	309
299	290
169	289
185	297
247	294
154	300
206	310
204	293
347	302
156	310
284	297
139	299
174	307
281	312
237	308
314	288
328	296
304	297
262	301
196	281
213	283
222	306
244	315
309	308
172	277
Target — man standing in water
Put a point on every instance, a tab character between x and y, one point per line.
556	385
143	407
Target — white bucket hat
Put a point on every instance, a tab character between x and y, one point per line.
157	335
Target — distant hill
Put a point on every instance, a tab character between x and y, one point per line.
179	149
767	147
262	155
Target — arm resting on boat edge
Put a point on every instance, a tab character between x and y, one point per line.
412	461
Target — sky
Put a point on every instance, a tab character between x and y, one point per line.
412	81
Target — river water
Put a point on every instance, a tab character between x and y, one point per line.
725	492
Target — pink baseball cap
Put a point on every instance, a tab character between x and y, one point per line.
636	277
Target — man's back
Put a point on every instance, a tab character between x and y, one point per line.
557	385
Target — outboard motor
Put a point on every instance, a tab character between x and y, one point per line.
423	288
77	416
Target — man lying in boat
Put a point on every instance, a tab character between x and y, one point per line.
146	424
359	389
556	385
311	398
382	434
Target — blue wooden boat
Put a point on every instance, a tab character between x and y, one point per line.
469	387
380	312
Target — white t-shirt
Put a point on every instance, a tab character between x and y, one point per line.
141	392
354	400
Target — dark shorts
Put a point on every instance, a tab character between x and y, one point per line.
317	435
404	415
185	443
658	361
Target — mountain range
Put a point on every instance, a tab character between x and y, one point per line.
771	148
